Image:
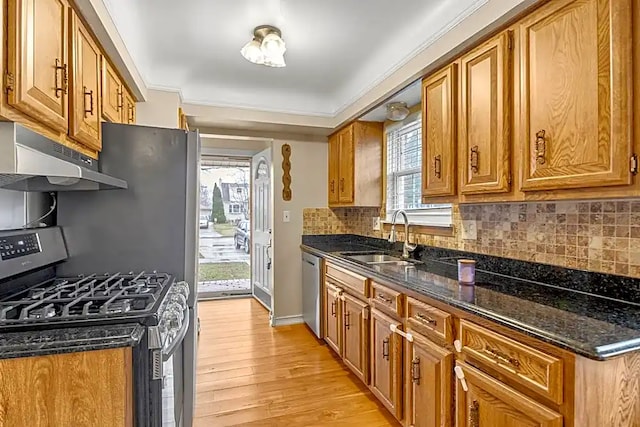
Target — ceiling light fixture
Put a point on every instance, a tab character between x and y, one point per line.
266	47
397	111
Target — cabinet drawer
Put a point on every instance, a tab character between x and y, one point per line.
429	320
387	299
353	281
529	367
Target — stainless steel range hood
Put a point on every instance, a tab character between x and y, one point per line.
32	162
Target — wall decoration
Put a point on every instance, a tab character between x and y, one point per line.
286	172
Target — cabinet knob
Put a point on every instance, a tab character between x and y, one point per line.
541	147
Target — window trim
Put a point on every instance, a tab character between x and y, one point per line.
437	217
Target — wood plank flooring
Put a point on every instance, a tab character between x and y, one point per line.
251	374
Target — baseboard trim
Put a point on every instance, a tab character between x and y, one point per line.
287	320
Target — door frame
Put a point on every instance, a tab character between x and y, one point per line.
218	154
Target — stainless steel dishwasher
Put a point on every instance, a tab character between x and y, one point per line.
311	299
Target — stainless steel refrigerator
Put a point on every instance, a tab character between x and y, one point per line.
152	225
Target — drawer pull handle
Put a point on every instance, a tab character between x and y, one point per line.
333	186
541	147
59	66
383	298
385	348
474	414
342	185
333	309
415	371
499	356
347	317
426	319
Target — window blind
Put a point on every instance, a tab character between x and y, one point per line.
404	175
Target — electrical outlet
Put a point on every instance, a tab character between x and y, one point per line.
376	223
286	216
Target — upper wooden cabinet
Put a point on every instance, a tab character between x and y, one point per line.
576	94
112	94
355	165
84	118
488	402
484	138
334	169
37	67
438	134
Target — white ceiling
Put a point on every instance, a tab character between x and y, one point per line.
337	50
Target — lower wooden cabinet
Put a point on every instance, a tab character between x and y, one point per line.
429	384
490	403
386	363
86	389
332	316
355	330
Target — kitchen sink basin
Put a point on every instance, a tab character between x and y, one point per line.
379	259
374	258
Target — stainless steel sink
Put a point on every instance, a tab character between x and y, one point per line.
374	258
381	259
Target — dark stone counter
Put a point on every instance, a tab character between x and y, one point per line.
587	317
69	340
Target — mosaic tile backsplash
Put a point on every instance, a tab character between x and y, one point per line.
601	236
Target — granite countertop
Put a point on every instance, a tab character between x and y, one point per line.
594	326
68	340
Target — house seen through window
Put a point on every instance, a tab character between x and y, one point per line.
404	174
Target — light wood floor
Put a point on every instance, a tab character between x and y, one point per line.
250	374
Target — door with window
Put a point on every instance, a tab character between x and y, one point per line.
261	248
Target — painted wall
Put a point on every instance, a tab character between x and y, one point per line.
160	110
309	189
18	208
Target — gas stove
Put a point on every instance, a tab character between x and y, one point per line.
88	298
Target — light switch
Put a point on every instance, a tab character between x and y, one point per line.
286	216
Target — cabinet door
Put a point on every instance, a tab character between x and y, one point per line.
490	403
85	124
37	55
386	363
438	133
334	169
430	384
129	110
484	142
333	319
575	60
347	166
112	95
355	330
